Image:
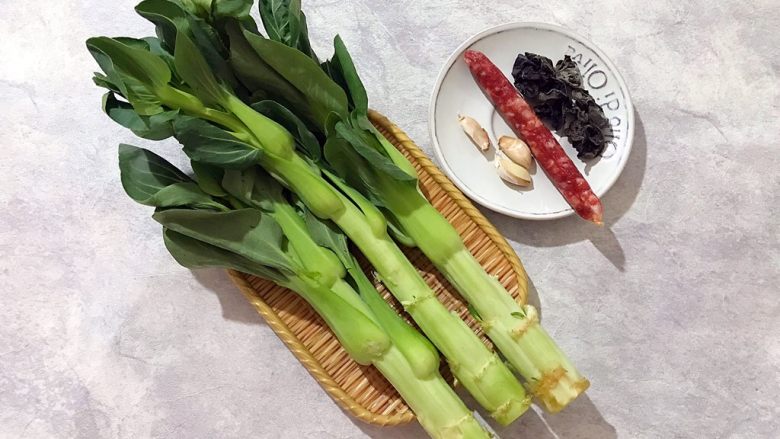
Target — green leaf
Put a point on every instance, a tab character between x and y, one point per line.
196	73
397	230
322	95
342	62
474	313
214	51
138	43
151	180
518	314
328	235
254	187
262	81
350	167
172	17
138	73
280	20
155	127
284	117
104	81
303	40
209	178
369	148
184	194
137	63
285	22
201	8
231	8
168	17
155	46
209	144
192	253
240	184
246	232
144	173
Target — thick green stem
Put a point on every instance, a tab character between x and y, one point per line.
319	196
439	410
191	105
515	329
344	290
362	338
421	355
415	372
480	371
273	138
320	263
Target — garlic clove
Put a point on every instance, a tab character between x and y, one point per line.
516	150
511	172
476	133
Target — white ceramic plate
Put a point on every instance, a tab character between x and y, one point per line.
456	92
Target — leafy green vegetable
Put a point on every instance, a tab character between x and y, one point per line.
155	127
168	17
193	253
204	239
256	74
245	232
343	63
136	72
206	143
280	19
195	72
172	17
209	178
251	187
285	22
304	138
149	179
231	8
322	95
218	129
368	147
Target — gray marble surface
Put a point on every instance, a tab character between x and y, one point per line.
672	310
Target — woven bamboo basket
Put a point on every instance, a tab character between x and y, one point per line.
361	390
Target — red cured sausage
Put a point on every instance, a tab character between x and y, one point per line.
548	152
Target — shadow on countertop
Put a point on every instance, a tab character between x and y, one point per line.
573	229
580	420
234	305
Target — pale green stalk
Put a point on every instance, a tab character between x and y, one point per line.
409	362
515	329
478	369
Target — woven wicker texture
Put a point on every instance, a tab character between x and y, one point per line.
359	389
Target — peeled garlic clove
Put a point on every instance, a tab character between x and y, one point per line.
516	150
476	133
511	172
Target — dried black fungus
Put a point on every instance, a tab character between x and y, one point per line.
557	96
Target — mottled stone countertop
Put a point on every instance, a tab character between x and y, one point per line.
672	310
